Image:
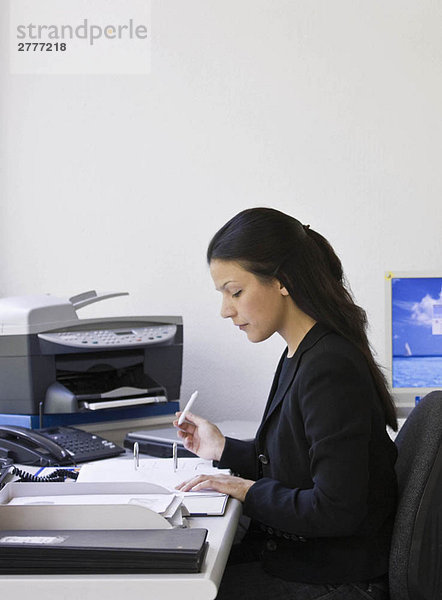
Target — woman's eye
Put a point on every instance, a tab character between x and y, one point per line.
236	294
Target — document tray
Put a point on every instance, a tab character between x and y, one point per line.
101	551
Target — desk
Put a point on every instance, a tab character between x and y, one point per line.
204	585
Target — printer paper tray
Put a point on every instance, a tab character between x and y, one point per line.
101	405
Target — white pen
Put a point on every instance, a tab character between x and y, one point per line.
188	406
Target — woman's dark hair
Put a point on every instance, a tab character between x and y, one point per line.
271	244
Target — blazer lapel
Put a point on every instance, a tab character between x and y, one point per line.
279	388
274	384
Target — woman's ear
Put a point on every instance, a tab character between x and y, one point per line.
283	290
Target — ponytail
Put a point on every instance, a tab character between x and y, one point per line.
350	321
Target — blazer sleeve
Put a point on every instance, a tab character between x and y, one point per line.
240	457
334	401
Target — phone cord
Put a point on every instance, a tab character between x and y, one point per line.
57	475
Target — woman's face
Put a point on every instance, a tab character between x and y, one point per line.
259	308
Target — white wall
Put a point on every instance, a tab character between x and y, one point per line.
327	110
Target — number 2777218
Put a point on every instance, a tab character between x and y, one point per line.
42	47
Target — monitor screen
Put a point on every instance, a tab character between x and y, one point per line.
415	332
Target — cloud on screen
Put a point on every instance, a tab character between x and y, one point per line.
420	313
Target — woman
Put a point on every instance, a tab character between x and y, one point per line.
318	481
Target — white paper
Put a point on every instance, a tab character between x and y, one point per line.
152	470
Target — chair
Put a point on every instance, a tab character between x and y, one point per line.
416	551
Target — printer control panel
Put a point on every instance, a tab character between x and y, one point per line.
105	338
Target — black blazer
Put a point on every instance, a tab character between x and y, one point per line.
325	491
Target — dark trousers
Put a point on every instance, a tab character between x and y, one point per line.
248	581
245	579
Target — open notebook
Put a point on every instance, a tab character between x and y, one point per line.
161	473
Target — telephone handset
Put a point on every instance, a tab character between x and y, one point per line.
54	445
27	446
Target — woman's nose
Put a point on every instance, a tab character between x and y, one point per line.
227	309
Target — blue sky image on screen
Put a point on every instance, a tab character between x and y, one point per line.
417	332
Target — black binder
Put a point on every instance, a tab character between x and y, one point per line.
179	550
158	441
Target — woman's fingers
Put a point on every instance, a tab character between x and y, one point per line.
200	481
226	484
186	426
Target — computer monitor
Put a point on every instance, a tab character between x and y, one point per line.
414	335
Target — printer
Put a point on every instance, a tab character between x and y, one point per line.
58	369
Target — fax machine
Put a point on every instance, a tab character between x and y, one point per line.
73	370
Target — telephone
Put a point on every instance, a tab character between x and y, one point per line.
54	445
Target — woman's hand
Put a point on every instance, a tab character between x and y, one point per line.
226	484
201	437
